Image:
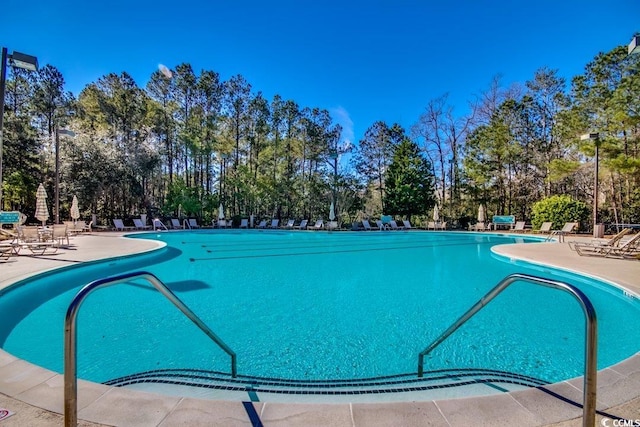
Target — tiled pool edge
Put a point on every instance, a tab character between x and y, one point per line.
101	404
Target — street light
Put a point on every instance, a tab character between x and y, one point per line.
595	137
58	132
19	60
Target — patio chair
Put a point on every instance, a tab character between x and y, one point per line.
318	225
290	223
630	247
137	222
380	225
193	223
274	223
59	234
566	229
262	224
407	224
366	225
431	225
36	239
175	223
597	244
545	227
519	227
302	225
244	223
119	225
394	225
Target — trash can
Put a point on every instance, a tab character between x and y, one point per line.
598	231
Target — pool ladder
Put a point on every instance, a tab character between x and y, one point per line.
70	335
591	335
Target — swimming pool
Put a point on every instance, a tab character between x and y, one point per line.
317	306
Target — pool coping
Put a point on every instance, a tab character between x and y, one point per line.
43	389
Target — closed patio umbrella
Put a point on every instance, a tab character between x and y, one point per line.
482	217
221	212
332	212
436	213
42	211
75	211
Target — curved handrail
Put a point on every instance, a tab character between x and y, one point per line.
591	338
70	335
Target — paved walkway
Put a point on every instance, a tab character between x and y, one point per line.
35	394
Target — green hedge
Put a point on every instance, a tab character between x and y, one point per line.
559	210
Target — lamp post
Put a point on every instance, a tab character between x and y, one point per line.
59	132
595	137
19	60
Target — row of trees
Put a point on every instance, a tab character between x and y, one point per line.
187	143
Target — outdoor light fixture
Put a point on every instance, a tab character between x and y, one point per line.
595	137
19	60
634	45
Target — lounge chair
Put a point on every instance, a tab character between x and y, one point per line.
262	224
519	227
407	224
6	251
119	225
290	223
431	225
596	244
545	227
380	225
302	225
394	225
479	226
442	225
137	222
221	223
366	225
244	223
318	225
193	223
566	229
274	223
175	223
630	247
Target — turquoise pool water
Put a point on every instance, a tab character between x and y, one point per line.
317	305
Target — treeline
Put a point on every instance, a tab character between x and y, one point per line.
186	143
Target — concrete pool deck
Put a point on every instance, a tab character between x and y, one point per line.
36	394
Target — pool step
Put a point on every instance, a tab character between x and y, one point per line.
452	379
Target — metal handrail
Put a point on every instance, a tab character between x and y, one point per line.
70	335
591	338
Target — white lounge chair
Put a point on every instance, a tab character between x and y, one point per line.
244	223
566	229
290	224
407	224
519	227
545	227
302	225
119	225
137	222
394	225
318	225
366	225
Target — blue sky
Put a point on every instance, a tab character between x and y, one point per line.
362	60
